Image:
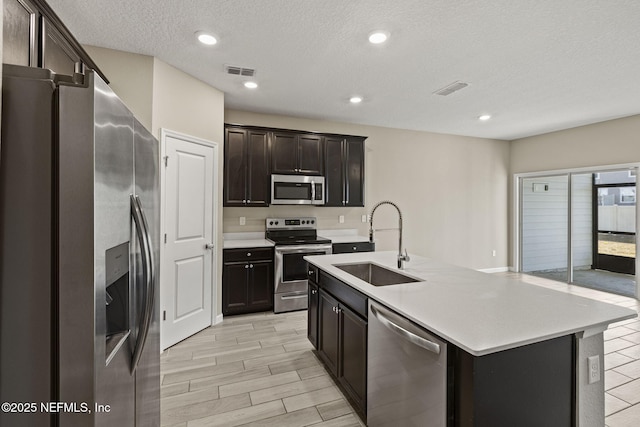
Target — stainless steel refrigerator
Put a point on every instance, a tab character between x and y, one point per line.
79	238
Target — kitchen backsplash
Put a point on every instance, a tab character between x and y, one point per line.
328	218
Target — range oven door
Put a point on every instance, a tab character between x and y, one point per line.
291	272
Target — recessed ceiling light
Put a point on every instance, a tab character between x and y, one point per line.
250	85
378	37
355	99
206	38
484	117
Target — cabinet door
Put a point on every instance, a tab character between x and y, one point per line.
328	330
235	177
284	153
57	53
235	281
310	160
354	162
19	44
353	356
312	315
258	182
260	285
334	172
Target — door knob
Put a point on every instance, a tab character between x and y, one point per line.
209	246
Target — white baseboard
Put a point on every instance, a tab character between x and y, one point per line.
219	319
494	270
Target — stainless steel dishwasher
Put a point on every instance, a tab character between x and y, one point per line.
407	372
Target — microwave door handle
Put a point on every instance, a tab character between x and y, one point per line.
313	191
148	278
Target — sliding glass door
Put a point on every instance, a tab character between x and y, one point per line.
580	228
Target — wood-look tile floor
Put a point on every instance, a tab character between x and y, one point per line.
251	370
259	370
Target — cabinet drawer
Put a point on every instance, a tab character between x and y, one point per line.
248	254
345	293
345	248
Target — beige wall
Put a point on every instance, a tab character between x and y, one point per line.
130	77
452	191
607	143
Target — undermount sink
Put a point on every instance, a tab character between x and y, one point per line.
374	274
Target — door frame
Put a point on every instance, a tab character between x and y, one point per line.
164	134
516	228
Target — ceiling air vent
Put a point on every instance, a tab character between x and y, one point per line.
449	89
240	71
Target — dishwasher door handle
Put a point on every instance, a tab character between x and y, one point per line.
409	336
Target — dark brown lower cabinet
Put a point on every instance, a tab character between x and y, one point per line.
342	345
312	318
353	357
328	331
247	285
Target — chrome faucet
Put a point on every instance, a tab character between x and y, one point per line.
401	257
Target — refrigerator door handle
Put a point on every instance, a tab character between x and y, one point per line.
148	277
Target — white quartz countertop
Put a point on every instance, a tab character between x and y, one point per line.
349	235
475	311
347	239
245	240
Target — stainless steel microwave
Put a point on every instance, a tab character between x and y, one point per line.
297	190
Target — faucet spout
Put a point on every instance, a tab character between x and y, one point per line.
401	257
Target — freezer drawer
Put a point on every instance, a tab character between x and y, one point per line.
407	372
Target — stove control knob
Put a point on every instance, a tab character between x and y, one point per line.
270	222
312	221
276	222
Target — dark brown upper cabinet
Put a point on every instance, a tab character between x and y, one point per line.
34	36
246	167
344	171
297	153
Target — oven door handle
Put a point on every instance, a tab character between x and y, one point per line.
302	248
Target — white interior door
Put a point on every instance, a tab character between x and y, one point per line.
188	257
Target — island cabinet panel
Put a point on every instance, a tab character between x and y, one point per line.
246	167
344	171
297	153
312	314
353	356
341	335
328	331
531	385
247	280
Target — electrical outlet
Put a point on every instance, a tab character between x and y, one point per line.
341	219
493	252
364	218
243	220
594	369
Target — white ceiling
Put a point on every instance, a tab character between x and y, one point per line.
535	66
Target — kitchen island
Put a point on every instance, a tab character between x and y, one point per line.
509	328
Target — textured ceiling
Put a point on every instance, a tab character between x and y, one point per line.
535	66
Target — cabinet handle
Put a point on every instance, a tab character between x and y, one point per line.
246	266
250	265
355	248
248	253
313	292
310	272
